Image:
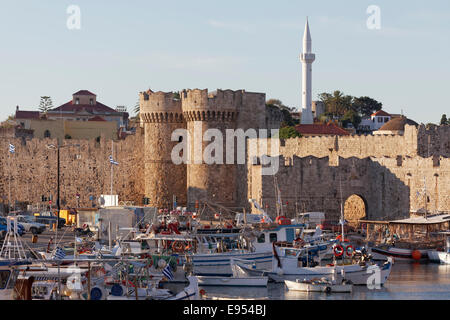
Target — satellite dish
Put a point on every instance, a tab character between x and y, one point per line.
101	201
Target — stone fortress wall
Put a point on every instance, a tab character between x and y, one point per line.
385	172
388	173
84	169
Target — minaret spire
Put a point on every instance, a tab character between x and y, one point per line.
307	58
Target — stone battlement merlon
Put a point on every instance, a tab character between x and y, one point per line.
159	102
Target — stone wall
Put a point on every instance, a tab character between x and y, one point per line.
85	169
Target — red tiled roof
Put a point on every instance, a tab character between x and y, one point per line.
97	118
321	129
69	106
381	113
27	114
85	93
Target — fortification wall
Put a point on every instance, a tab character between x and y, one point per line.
85	169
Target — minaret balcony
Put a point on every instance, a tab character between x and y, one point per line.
307	57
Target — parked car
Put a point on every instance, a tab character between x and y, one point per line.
48	220
30	224
3	228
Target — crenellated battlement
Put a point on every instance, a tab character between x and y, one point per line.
160	107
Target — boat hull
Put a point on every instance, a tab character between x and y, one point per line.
309	287
358	275
233	282
220	264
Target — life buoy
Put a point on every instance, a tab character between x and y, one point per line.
178	246
299	242
282	220
338	250
349	251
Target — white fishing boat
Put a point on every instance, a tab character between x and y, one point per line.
286	266
239	279
191	292
441	256
320	285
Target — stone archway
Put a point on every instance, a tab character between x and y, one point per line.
355	208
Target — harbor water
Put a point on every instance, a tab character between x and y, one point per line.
406	282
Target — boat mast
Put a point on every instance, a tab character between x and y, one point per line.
342	211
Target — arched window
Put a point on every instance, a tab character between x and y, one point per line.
47	134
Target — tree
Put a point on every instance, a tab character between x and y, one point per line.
365	106
137	108
288	121
444	120
336	104
45	104
289	132
353	117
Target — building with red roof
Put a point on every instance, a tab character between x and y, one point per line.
321	129
84	107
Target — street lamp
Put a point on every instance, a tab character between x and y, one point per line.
57	147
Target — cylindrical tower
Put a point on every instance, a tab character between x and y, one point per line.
307	58
162	114
212	183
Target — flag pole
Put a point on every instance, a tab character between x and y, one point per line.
9	179
112	165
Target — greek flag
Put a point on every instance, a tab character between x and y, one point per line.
112	160
59	254
167	272
12	148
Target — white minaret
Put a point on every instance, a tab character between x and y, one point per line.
307	58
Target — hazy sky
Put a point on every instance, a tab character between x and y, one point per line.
124	47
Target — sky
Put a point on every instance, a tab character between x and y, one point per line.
125	47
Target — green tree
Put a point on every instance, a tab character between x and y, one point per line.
137	108
444	120
336	104
45	104
288	121
365	106
351	116
289	132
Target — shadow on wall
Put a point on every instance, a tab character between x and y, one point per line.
311	184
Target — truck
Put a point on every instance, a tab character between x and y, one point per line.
48	218
30	224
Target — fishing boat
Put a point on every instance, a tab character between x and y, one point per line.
441	256
239	279
286	265
415	239
318	285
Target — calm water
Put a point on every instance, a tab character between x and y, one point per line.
406	282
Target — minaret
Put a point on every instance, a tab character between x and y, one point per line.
307	58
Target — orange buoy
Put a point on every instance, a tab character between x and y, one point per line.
416	255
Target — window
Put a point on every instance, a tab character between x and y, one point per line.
77	100
380	119
91	101
4	276
262	238
273	237
47	134
386	119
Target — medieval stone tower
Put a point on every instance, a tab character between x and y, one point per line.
210	181
162	114
196	110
